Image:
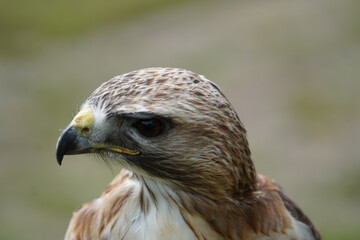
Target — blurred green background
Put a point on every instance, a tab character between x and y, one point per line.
290	68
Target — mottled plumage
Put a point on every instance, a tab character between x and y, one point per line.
188	172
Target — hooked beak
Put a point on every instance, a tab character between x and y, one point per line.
74	139
71	143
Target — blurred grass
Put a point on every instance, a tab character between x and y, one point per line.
318	110
27	25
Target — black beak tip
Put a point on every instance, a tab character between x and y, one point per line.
65	143
59	158
70	143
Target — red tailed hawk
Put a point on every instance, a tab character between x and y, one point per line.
187	168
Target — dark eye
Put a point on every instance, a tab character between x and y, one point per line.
150	127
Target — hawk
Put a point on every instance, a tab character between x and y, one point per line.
187	171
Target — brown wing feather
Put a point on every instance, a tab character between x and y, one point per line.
261	213
296	212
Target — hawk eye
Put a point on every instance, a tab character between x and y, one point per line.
150	127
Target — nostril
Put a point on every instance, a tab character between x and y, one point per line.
85	131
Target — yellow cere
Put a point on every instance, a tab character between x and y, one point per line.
84	119
124	150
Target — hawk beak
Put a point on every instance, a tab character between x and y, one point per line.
74	139
71	143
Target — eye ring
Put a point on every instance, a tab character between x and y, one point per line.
152	127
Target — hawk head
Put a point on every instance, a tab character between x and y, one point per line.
167	124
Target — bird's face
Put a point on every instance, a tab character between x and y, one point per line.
168	124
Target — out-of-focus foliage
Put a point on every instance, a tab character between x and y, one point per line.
290	68
26	25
